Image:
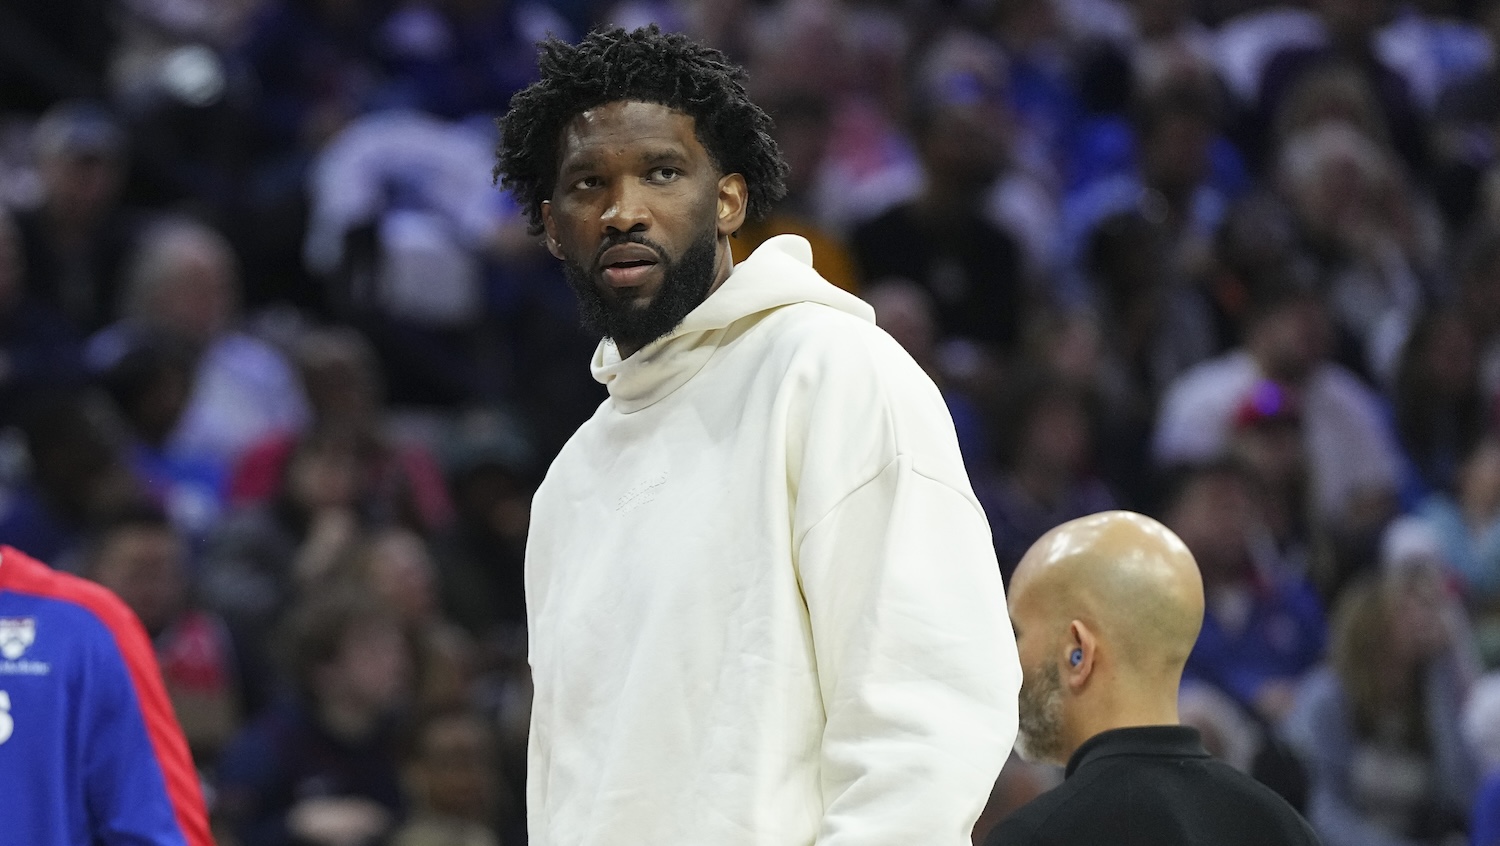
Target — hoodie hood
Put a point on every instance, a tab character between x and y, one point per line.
779	273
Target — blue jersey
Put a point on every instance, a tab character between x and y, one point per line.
90	751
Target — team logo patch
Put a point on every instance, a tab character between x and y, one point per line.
16	635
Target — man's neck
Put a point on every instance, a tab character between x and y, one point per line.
1123	712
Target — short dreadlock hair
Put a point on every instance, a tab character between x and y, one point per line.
648	66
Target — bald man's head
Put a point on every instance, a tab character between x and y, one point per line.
1106	609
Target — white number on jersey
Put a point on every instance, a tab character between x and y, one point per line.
7	724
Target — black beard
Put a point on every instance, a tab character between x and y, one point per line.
684	287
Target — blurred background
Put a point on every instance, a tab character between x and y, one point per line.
280	366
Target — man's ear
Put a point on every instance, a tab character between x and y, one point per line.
734	196
1082	644
551	230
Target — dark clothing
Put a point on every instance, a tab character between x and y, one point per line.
286	756
1403	118
1153	785
51	51
482	579
83	284
40	353
971	268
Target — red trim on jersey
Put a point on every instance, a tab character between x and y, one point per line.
27	575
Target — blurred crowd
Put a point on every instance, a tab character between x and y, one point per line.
280	366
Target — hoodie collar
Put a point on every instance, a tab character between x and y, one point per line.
778	273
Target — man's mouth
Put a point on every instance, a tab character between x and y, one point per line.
628	274
627	265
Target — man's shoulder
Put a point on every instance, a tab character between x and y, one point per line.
1108	795
33	578
817	327
812	334
1207	794
57	616
1264	808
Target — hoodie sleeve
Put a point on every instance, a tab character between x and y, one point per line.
915	655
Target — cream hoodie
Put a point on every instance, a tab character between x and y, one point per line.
764	606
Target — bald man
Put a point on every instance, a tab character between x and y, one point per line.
1106	609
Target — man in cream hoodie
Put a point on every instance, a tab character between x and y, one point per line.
764	609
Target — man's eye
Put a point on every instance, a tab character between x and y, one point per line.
665	174
587	182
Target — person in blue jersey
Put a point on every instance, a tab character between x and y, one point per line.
90	751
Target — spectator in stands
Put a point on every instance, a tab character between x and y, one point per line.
942	240
1479	302
1482	733
184	281
1347	38
138	555
78	474
1261	631
458	58
1169	35
1466	113
1169	179
78	239
394	564
321	768
315	66
263	559
1435	44
1136	295
1336	94
344	388
905	310
1467	524
1377	242
492	469
1138	289
803	121
1440	412
40	350
454	791
1379	725
1411	549
1268	441
149	378
1354	463
1046	452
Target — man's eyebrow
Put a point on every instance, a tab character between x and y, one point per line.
663	155
575	164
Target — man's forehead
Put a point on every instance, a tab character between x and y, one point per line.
625	121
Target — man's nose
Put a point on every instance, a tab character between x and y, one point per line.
627	210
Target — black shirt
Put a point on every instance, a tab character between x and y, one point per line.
971	269
1155	786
